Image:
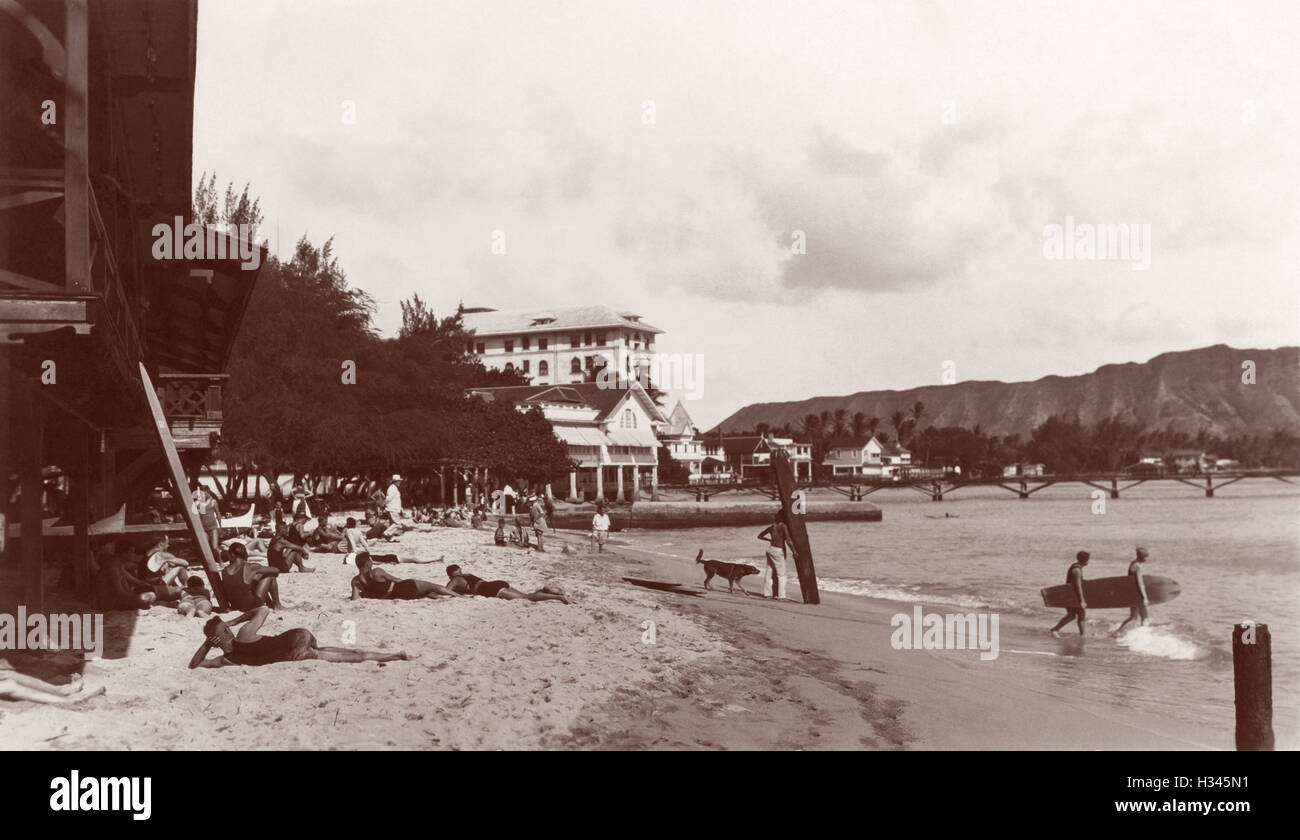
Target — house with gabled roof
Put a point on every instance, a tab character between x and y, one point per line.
749	457
866	456
682	439
611	434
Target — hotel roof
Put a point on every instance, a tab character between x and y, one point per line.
484	321
591	394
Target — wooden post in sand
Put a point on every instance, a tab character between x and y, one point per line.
1252	680
794	517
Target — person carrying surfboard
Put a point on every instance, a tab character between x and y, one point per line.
1139	610
1074	578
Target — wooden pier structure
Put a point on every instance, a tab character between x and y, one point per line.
95	151
1022	486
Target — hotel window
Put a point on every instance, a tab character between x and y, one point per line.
525	366
575	366
600	339
586	339
469	347
629	419
575	340
523	342
543	369
510	366
543	343
482	348
510	346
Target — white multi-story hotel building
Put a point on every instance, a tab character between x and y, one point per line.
561	345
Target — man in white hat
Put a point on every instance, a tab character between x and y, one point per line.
393	500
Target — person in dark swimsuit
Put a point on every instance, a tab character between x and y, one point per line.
289	547
467	584
1074	579
373	582
249	585
251	648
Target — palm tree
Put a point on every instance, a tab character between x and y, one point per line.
898	420
873	423
858	425
810	426
840	424
763	428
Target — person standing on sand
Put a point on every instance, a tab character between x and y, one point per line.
778	537
393	499
1074	578
205	505
538	513
600	527
1138	612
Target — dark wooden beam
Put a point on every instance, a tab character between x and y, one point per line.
76	149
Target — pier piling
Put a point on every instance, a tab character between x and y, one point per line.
1252	675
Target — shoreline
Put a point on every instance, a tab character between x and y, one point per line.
723	672
934	700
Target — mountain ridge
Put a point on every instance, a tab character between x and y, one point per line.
1188	389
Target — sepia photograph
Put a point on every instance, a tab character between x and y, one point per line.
650	375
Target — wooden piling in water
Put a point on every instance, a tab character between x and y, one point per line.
1252	678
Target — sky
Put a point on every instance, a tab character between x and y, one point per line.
808	198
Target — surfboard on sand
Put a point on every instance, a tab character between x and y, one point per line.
1112	592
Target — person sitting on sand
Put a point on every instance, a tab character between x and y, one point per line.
252	648
196	600
499	537
325	537
289	548
1138	612
373	582
119	588
15	685
164	570
246	584
467	584
1074	578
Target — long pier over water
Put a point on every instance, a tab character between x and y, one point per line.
1022	486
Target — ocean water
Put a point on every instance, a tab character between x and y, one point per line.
1236	557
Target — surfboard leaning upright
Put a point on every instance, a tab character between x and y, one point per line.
183	489
803	560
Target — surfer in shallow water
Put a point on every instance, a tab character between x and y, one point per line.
1137	612
1074	579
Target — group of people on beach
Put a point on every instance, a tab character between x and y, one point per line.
1074	579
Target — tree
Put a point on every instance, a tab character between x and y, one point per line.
671	471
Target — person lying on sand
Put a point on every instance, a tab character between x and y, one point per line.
467	584
325	537
355	543
196	599
18	686
373	582
119	588
249	585
252	648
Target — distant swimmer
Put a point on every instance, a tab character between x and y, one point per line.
1137	611
250	647
1074	578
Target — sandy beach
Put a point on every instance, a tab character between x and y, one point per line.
723	672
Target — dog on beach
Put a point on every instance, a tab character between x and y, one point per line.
730	572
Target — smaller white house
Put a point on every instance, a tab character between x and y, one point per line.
867	457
